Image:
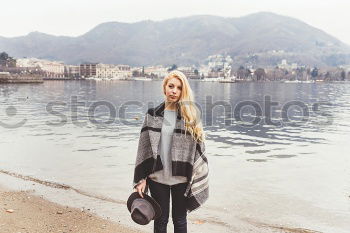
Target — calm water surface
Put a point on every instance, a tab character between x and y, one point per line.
293	172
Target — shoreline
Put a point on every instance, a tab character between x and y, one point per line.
24	212
41	209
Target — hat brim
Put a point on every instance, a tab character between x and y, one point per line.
156	206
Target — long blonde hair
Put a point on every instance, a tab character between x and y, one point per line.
186	106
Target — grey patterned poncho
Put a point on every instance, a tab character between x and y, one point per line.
188	157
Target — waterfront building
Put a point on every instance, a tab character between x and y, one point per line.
48	68
158	71
88	70
113	71
71	71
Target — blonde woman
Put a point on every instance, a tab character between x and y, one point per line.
171	155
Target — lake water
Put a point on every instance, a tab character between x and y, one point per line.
278	155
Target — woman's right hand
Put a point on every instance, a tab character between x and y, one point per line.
140	188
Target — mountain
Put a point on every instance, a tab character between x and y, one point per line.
256	39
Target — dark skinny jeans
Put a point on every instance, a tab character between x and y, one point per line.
161	193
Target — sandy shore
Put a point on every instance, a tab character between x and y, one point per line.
22	212
37	208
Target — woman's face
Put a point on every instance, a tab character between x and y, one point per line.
173	90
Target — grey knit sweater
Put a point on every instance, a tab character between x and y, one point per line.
165	176
187	157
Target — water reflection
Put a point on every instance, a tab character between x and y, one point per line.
31	101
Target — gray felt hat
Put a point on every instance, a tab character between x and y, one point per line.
143	210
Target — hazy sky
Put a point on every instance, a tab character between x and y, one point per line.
75	17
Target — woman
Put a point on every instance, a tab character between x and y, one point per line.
171	155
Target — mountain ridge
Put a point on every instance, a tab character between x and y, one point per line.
189	41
